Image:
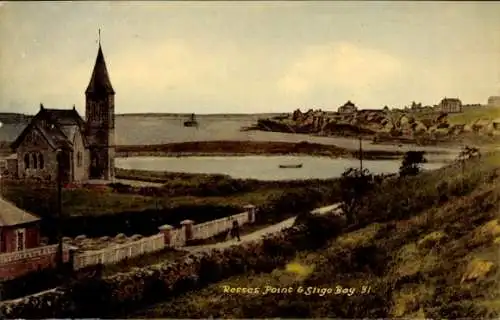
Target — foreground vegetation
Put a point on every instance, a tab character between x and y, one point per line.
423	247
121	208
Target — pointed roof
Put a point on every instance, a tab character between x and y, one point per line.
99	82
10	215
61	127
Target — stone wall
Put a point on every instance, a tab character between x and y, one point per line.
119	252
191	231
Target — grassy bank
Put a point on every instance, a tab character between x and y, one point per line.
276	201
425	247
141	210
372	252
210	148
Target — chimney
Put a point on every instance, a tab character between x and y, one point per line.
41	106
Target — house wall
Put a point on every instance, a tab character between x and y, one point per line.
80	171
34	143
451	106
16	264
347	109
12	167
8	237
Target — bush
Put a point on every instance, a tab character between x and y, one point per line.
32	282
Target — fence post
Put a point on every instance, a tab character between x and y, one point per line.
251	212
166	230
187	228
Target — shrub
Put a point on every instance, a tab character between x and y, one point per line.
411	164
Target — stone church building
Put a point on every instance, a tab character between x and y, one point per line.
84	149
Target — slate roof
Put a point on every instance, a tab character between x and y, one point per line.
10	215
61	127
348	103
450	100
99	81
9	132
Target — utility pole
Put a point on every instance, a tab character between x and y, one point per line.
60	258
360	149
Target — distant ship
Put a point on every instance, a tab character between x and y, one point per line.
191	122
290	166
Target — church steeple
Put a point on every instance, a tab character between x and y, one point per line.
100	118
99	82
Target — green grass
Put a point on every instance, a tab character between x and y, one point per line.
472	114
436	261
178	190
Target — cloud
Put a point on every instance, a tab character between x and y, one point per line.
345	66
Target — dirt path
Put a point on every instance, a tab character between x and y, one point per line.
259	233
246	238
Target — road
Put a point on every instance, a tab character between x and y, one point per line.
260	233
246	238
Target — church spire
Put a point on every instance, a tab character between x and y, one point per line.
99	82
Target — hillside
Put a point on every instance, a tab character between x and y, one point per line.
479	123
428	249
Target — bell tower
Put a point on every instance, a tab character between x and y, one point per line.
100	120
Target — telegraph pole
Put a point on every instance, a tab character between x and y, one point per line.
60	258
360	149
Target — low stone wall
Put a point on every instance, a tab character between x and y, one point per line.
122	292
15	264
168	237
191	231
119	252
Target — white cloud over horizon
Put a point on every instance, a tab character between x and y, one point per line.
258	57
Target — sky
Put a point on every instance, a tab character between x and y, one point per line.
249	57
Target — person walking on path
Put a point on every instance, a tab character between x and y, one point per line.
235	231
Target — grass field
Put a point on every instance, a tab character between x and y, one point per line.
472	114
434	257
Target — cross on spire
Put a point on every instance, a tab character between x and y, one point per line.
99	37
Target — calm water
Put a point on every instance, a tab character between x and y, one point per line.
261	167
140	130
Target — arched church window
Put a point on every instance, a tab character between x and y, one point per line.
40	161
35	160
26	161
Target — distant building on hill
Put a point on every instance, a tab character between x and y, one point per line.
348	107
494	101
450	105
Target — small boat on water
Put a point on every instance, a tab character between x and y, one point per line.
290	166
191	122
